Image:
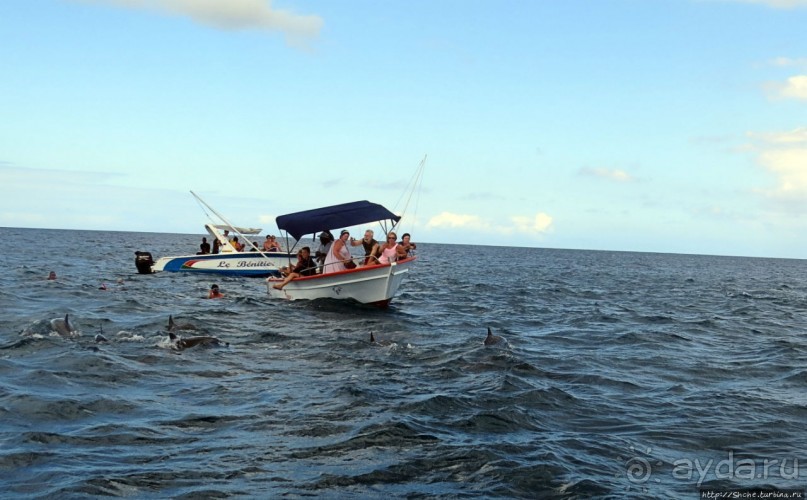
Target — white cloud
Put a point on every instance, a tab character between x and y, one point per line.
795	87
540	223
605	173
537	224
790	166
234	15
448	219
784	154
788	62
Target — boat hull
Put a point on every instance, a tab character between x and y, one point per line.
252	264
374	285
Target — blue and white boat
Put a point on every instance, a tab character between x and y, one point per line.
228	261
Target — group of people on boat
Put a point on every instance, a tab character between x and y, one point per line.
333	254
269	245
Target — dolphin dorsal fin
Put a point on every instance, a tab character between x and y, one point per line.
67	323
490	334
372	338
170	321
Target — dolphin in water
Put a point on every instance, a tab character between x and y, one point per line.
382	342
100	337
493	339
178	326
63	326
202	340
188	342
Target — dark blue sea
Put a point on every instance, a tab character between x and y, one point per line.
622	375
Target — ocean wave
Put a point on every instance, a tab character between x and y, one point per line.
611	358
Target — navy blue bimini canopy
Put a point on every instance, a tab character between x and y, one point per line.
337	216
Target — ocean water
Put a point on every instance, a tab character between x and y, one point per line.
622	375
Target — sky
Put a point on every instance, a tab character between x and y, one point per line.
676	126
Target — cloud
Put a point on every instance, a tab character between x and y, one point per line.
540	223
794	87
448	219
534	225
784	154
790	166
605	173
234	15
797	136
788	62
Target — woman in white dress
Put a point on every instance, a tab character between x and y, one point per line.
338	254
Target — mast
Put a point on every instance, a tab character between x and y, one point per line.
228	223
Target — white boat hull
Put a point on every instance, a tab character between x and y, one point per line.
374	285
227	264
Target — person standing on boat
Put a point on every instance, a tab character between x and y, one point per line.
339	258
368	242
325	241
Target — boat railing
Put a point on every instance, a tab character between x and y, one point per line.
359	261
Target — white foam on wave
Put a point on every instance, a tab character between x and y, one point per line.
126	336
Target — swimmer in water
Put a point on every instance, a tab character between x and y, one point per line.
214	292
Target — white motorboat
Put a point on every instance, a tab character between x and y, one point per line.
226	261
371	284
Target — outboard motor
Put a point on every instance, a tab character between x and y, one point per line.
143	261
